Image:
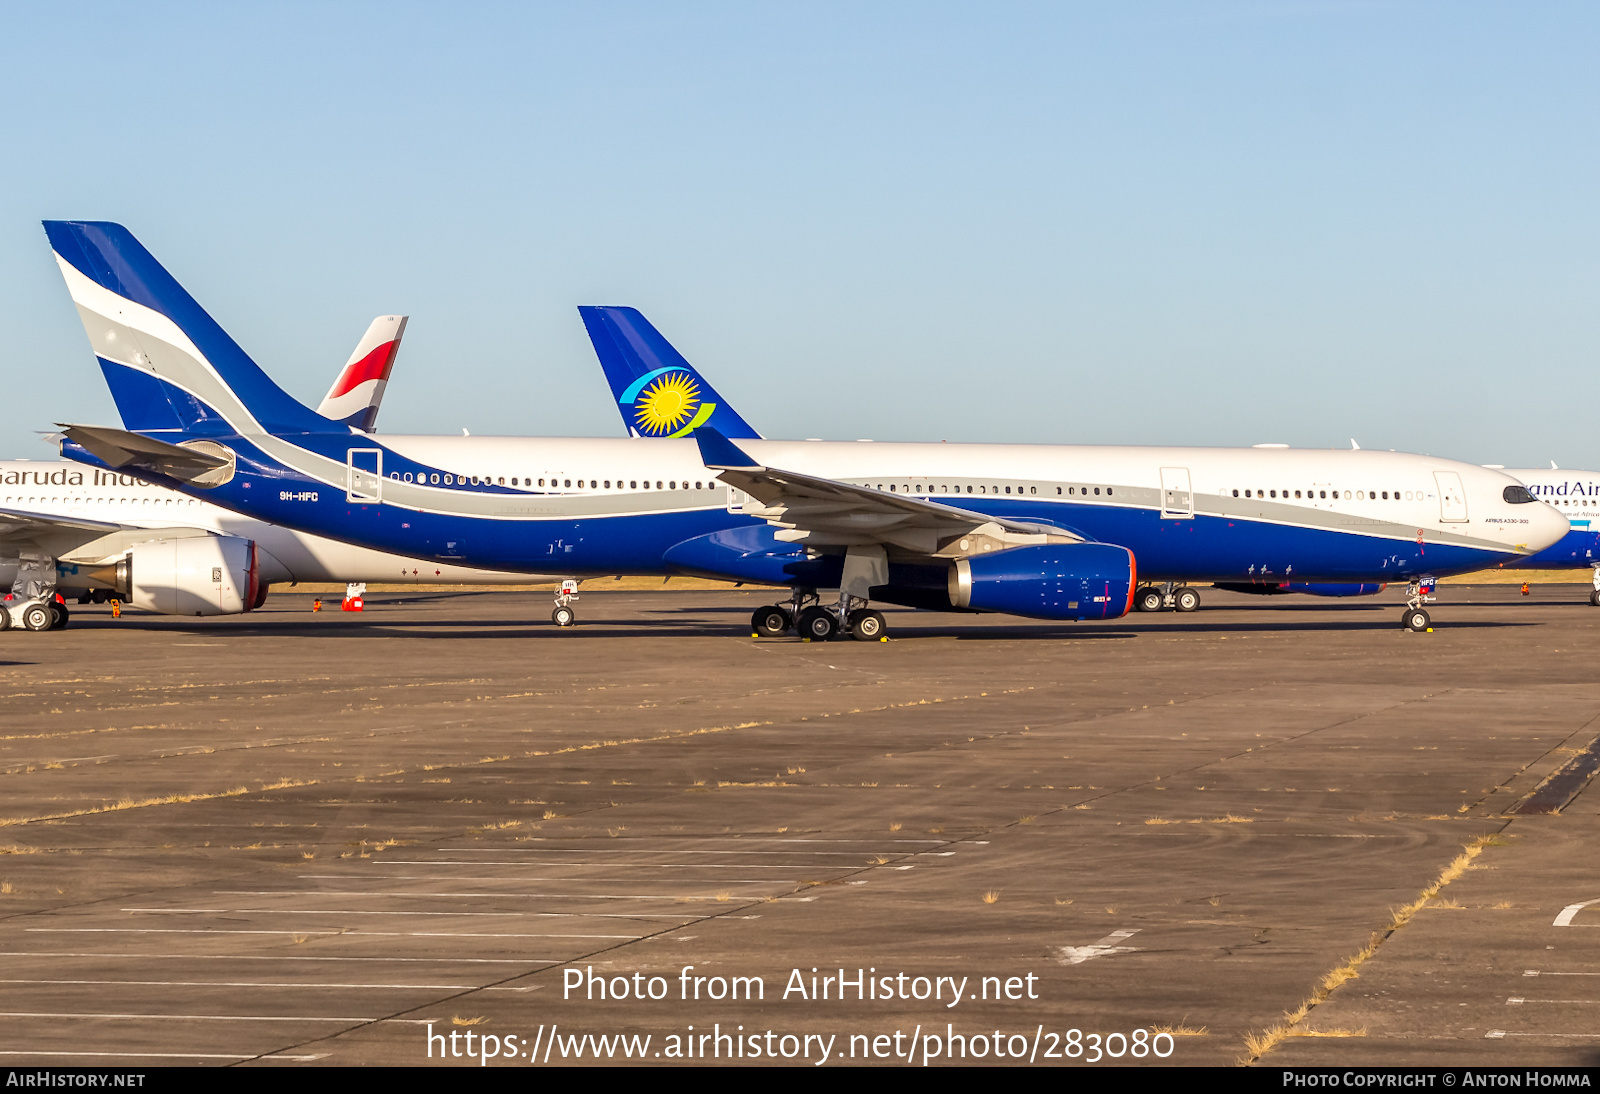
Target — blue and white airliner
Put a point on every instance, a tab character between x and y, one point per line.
643	370
1052	532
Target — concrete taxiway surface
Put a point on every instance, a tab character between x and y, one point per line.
291	837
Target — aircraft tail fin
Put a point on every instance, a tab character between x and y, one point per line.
658	392
170	366
356	395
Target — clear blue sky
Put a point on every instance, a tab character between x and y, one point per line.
1215	223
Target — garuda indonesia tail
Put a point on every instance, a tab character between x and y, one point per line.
658	392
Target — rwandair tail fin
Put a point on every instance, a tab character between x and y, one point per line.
355	396
658	392
170	367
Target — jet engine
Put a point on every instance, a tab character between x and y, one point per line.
210	575
1049	581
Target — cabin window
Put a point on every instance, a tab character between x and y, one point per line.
1008	489
697	486
1324	493
1058	489
1108	491
1097	490
658	484
1236	493
1247	493
1033	489
434	478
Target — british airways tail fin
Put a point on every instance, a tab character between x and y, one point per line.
658	392
355	396
170	367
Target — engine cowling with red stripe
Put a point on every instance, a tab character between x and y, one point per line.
1050	581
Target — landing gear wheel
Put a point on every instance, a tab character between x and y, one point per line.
5	618
37	617
1148	600
770	622
1415	619
1594	598
563	616
59	616
1186	600
817	624
867	625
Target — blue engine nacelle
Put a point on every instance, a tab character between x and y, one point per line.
1051	581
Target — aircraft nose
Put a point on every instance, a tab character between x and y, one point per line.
1546	527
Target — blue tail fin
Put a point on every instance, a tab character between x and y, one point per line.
170	367
658	392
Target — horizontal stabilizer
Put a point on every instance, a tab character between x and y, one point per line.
119	448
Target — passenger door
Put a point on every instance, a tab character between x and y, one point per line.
364	475
1177	499
1452	498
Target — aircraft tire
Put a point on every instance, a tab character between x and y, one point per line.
1186	600
1594	598
563	616
37	618
59	615
1415	619
770	622
1149	600
867	625
817	624
5	618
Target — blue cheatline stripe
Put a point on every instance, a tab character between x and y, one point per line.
638	385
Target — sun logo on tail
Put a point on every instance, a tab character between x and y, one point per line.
670	406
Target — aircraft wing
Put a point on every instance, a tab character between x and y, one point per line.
827	513
13	519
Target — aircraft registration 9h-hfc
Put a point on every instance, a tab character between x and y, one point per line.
1051	532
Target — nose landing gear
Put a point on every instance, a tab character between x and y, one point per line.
1415	618
563	615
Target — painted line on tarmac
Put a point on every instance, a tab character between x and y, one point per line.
249	984
310	931
510	880
511	893
358	911
98	956
168	1055
1571	910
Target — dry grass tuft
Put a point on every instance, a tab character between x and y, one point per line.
474	1021
1258	1044
1060	901
1157	820
1448	903
1231	819
895	827
1111	909
724	896
1213	900
551	814
1179	1030
308	854
1362	1032
6	888
1501	905
879	860
991	896
299	939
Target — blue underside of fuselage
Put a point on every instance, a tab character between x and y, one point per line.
1202	548
1576	550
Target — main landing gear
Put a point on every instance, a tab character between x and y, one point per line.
1419	592
563	615
1594	597
811	621
1156	598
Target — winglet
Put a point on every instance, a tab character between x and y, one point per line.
721	454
